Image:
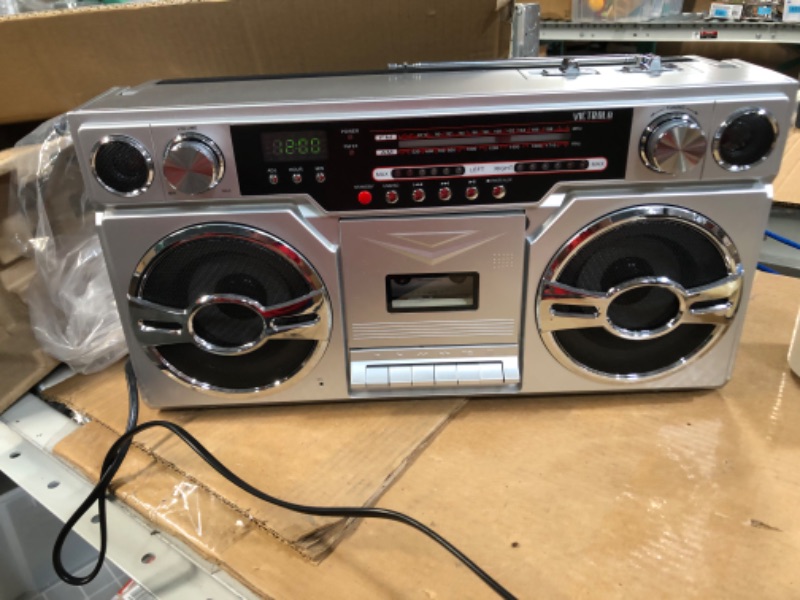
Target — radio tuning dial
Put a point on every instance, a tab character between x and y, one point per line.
673	144
193	164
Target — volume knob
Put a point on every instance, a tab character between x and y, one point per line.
193	164
673	144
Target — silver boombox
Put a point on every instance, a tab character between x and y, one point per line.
524	227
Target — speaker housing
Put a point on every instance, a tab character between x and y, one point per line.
733	212
319	378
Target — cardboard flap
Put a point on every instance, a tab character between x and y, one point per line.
343	455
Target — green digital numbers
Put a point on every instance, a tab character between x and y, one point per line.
295	145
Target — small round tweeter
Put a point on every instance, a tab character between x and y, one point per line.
122	165
745	139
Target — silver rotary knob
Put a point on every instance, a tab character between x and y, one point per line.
673	144
193	164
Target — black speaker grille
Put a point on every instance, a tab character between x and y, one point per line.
221	264
646	248
604	352
121	166
643	248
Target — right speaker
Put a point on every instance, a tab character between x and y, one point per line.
639	292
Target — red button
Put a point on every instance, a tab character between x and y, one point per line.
364	197
418	195
445	194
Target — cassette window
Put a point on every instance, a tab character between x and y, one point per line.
431	292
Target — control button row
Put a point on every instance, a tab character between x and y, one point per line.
552	165
319	177
435	375
445	194
426	172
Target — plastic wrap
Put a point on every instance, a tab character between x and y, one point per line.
72	309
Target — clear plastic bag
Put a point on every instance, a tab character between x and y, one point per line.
72	309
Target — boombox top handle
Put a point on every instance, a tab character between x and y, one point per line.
567	65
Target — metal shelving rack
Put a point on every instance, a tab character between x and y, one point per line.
673	30
165	567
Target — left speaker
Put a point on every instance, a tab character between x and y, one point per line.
229	308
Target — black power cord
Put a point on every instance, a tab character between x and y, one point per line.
116	454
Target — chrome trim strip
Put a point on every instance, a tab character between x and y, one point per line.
555	294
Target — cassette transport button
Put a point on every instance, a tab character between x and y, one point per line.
446	374
469	373
377	377
422	375
492	372
400	376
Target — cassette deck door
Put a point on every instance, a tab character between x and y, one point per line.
433	281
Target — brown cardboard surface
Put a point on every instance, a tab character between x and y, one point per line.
55	61
332	454
690	495
787	183
554	10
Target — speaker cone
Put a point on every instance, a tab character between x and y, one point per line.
229	308
639	293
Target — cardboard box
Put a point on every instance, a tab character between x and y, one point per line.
791	11
696	6
554	10
728	12
787	183
54	61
